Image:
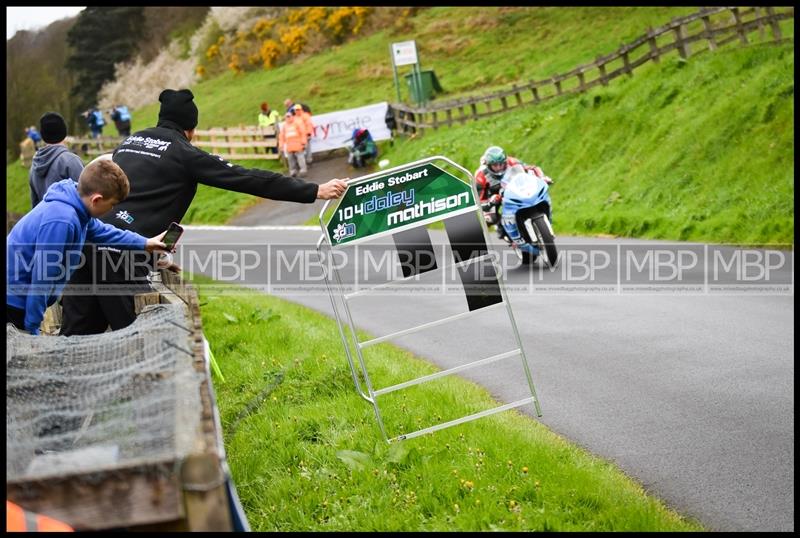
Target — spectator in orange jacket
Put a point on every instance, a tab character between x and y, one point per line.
21	520
301	113
292	141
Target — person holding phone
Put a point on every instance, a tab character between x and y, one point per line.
164	169
44	247
171	237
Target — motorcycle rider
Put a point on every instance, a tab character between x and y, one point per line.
493	166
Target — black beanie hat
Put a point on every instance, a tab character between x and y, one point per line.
178	106
52	127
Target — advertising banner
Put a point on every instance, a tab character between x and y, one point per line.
334	129
395	201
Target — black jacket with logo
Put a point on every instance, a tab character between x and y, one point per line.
164	168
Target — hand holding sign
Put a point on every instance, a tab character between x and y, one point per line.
332	189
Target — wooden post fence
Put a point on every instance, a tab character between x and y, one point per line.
680	42
709	35
773	22
242	142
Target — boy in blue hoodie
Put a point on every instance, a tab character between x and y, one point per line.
44	247
54	161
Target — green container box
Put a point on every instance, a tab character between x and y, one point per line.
424	91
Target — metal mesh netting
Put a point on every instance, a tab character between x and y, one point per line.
102	401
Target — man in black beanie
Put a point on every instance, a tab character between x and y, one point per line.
52	162
164	169
178	107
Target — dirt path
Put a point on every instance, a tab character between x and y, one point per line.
289	213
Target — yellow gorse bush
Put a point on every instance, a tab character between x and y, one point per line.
294	38
269	53
346	20
273	41
315	16
262	27
212	51
234	64
309	16
242	37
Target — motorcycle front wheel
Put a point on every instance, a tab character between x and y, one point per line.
547	240
528	257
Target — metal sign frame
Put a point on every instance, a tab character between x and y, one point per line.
335	288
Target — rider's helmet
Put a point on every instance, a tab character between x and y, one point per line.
496	161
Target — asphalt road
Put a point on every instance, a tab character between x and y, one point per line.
688	388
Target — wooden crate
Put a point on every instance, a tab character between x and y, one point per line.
189	494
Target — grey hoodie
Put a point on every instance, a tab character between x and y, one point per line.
52	163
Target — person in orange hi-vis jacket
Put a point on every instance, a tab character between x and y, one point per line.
292	141
21	520
309	125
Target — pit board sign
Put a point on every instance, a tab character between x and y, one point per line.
395	201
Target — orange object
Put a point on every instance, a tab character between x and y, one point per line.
306	118
19	520
293	136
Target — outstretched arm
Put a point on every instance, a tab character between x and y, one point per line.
332	189
217	172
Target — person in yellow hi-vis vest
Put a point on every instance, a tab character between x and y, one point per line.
21	520
268	118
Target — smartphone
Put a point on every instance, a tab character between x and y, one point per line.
174	232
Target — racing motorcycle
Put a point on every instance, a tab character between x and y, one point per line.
525	215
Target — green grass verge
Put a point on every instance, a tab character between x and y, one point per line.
306	453
18	191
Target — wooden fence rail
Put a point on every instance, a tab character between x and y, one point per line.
716	25
242	142
92	147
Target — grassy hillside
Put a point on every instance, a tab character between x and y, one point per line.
468	48
697	150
